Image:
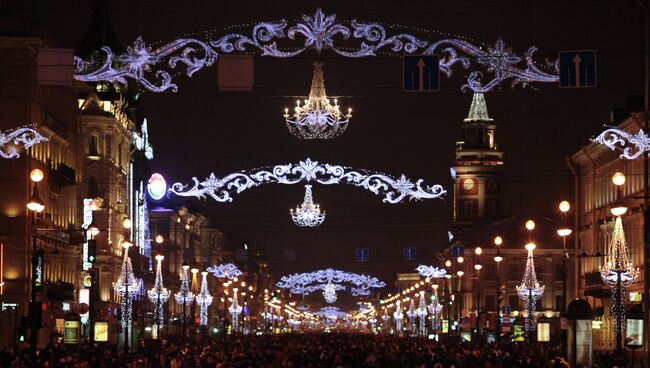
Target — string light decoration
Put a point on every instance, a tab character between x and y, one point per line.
434	309
317	118
329	292
141	140
398	315
421	313
632	145
184	296
618	273
204	299
431	271
394	190
332	313
158	295
235	310
11	140
126	287
412	314
307	283
151	67
308	214
225	270
530	291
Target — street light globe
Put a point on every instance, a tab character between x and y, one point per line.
478	267
564	206
160	239
498	240
460	259
447	263
204	273
448	276
530	246
478	251
126	223
498	259
35	204
36	175
564	232
435	286
619	210
194	270
618	178
460	273
530	225
160	257
126	244
94	230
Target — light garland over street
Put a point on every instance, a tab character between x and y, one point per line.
307	283
24	137
632	145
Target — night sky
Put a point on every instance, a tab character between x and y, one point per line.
200	129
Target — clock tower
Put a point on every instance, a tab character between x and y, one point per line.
478	170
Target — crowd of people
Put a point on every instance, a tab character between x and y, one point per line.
296	350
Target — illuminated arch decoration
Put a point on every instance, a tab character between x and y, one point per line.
431	271
225	271
151	67
12	139
331	313
328	279
394	190
632	145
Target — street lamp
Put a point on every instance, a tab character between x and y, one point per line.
564	231
158	295
160	239
204	299
478	266
497	259
618	271
126	287
36	205
530	290
184	296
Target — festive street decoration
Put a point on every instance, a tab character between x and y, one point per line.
398	315
421	312
331	280
235	310
126	287
158	295
307	214
317	118
632	145
431	271
11	140
151	67
394	190
530	290
184	297
618	273
329	292
204	299
156	186
332	313
434	309
225	270
141	140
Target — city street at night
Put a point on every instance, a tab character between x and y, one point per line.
284	184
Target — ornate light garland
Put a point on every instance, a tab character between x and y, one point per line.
127	286
394	190
307	214
235	310
434	309
307	283
421	312
158	295
618	273
329	292
225	270
317	118
204	299
11	139
141	141
184	296
147	65
431	271
332	313
530	290
619	139
398	315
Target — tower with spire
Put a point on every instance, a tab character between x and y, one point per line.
478	168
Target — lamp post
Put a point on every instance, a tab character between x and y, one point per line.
184	296
158	295
530	289
460	274
35	205
195	290
497	259
478	266
126	287
204	299
618	271
564	231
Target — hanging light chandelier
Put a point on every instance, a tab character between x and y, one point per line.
422	314
158	295
317	118
204	299
308	214
530	290
235	310
399	316
329	292
126	287
184	296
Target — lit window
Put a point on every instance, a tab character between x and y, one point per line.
92	145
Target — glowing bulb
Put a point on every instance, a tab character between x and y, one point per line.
460	259
126	223
498	259
447	263
460	273
564	232
564	206
530	246
478	267
530	225
498	240
478	251
126	244
160	239
618	178
160	257
36	175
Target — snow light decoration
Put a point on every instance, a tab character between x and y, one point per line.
235	310
307	283
421	312
317	118
141	141
158	295
332	313
431	271
204	299
126	287
308	214
618	273
530	290
151	67
225	271
394	190
184	296
398	315
632	145
329	292
11	139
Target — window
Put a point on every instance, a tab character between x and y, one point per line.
490	302
409	253
489	272
513	302
92	145
559	269
559	300
93	187
513	272
363	254
468	209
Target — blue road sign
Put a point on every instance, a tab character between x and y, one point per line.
577	69
421	73
457	251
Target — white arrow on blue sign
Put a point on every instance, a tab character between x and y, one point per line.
421	73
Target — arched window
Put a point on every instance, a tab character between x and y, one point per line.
92	145
93	187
